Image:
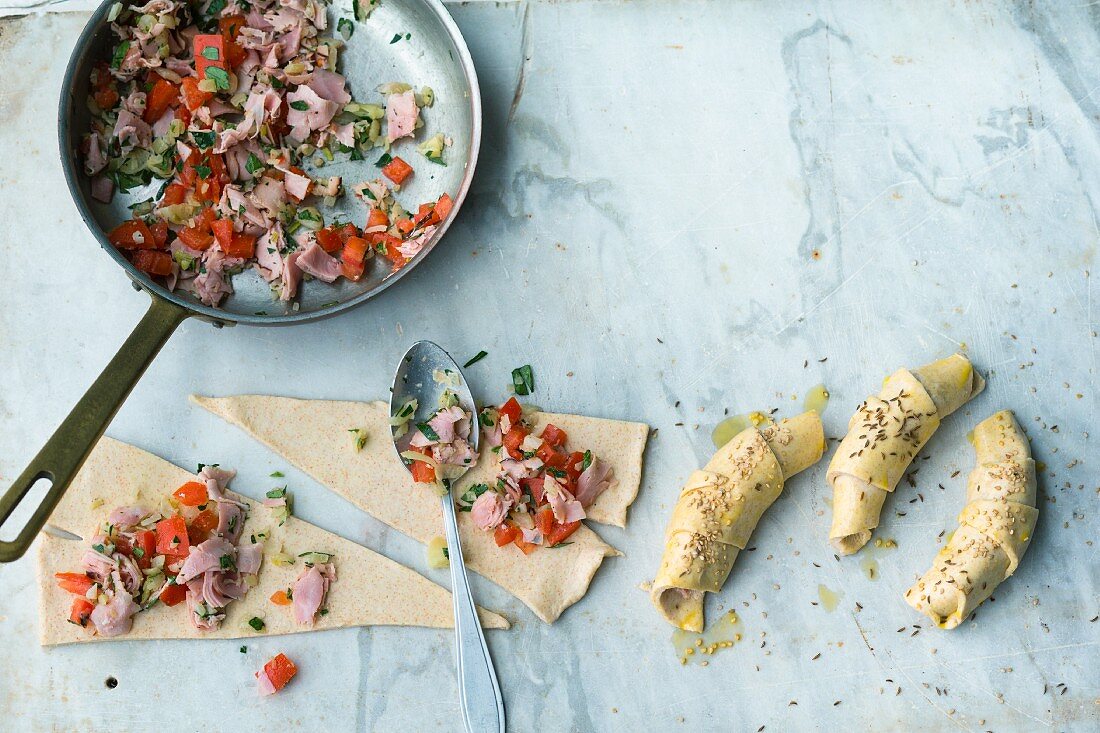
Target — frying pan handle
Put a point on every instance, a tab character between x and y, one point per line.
65	451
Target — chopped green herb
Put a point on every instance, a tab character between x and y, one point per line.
360	438
470	496
244	650
428	431
395	39
253	164
205	140
138	552
277	474
202	171
587	460
226	562
276	493
120	53
560	544
211	53
219	76
384	160
256	623
480	355
523	379
346	28
300	105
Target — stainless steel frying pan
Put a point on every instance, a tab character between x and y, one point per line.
430	52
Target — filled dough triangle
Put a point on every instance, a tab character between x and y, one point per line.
313	435
370	589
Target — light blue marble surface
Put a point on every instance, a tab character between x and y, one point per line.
682	207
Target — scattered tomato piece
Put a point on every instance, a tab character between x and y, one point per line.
397	170
192	96
77	583
172	537
173	594
243	245
351	259
505	534
163	95
512	409
209	51
191	493
559	532
133	234
153	263
280	598
80	611
202	526
279	671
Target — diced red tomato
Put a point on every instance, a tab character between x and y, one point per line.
404	225
527	547
196	238
153	262
397	170
223	232
80	611
388	245
78	583
422	473
280	670
243	245
512	409
106	92
426	216
443	206
505	534
209	51
351	259
160	234
377	218
230	27
133	234
280	598
554	435
175	193
551	456
544	520
535	487
192	493
173	594
560	532
146	541
202	526
573	466
172	537
192	96
329	239
513	439
163	95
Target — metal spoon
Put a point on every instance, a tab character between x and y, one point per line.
482	705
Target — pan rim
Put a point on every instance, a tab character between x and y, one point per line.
70	168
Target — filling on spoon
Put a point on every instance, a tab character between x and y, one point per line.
437	449
543	487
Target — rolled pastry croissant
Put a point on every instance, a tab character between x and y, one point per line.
995	527
719	508
884	436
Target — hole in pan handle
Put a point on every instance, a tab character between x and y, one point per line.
66	450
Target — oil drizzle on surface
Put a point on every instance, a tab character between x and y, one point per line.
817	399
693	648
869	562
731	426
828	597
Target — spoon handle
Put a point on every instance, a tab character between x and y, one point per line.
479	691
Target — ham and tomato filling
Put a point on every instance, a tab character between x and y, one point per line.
211	113
543	487
438	449
194	554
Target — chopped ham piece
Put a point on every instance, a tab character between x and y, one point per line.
593	481
401	115
489	510
115	617
310	590
319	264
566	508
296	185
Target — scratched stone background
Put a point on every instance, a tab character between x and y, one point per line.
682	208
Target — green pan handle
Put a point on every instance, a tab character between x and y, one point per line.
66	450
